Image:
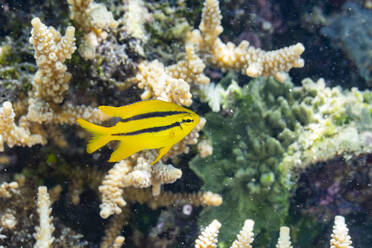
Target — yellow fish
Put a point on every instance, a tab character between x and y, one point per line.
151	124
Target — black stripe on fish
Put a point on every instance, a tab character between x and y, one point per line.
154	114
154	129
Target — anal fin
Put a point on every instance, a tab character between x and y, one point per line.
161	152
123	151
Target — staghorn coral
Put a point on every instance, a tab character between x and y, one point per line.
134	19
21	209
159	84
44	232
49	85
340	237
284	240
111	189
90	178
138	174
13	135
7	188
89	15
173	199
42	112
205	148
112	236
208	238
251	61
172	83
93	19
51	51
245	236
190	69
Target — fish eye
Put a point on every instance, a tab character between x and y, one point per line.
187	120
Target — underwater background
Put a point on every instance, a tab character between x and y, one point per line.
284	141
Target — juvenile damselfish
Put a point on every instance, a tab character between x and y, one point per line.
151	124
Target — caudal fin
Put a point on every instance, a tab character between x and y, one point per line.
101	135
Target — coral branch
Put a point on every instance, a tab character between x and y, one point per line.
208	238
40	111
340	237
251	61
284	240
172	199
13	135
245	237
43	235
112	236
6	189
92	18
111	189
51	51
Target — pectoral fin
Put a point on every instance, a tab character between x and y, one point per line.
161	152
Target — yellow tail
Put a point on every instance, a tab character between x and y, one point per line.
101	135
